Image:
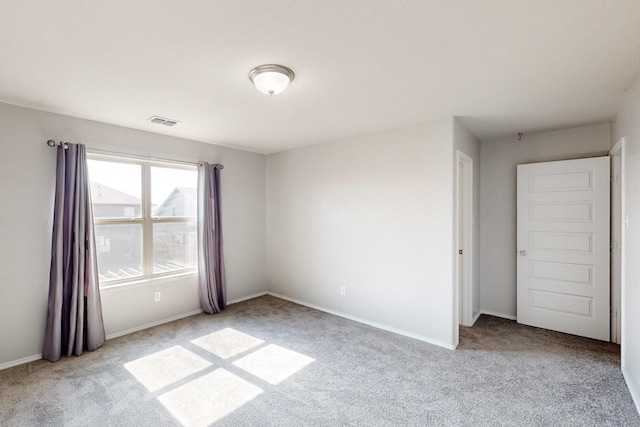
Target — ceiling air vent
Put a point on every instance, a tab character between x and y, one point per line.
162	121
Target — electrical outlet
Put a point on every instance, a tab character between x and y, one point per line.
156	296
343	290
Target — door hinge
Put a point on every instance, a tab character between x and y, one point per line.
459	251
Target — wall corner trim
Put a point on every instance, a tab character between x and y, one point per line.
476	317
635	392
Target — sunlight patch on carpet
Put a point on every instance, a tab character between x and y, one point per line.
227	342
165	367
207	399
273	363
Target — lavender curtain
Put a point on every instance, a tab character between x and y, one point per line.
74	316
213	287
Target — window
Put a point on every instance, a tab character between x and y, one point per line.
145	217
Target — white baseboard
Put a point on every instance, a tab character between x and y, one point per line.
237	300
367	322
35	357
496	314
152	324
178	317
110	336
194	312
635	392
21	361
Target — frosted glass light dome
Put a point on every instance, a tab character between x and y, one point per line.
271	79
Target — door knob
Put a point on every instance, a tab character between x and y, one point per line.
523	253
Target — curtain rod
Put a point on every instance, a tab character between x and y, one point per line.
52	143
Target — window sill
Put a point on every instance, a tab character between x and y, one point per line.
148	280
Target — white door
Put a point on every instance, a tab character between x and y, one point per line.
563	246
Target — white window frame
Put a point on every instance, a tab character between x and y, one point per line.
146	220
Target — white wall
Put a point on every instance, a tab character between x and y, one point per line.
470	145
372	213
27	171
498	160
627	125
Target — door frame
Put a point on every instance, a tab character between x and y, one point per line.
464	239
618	237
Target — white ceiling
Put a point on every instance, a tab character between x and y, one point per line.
361	65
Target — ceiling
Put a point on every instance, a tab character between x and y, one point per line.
361	66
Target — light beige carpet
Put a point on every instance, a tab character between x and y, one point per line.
269	362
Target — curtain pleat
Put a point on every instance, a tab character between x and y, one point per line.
74	313
211	272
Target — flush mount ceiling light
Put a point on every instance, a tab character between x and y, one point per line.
271	79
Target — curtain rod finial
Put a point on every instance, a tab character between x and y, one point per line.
51	143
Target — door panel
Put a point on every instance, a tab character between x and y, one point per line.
566	243
570	304
563	246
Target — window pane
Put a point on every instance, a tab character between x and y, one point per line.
175	246
116	189
119	249
173	192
